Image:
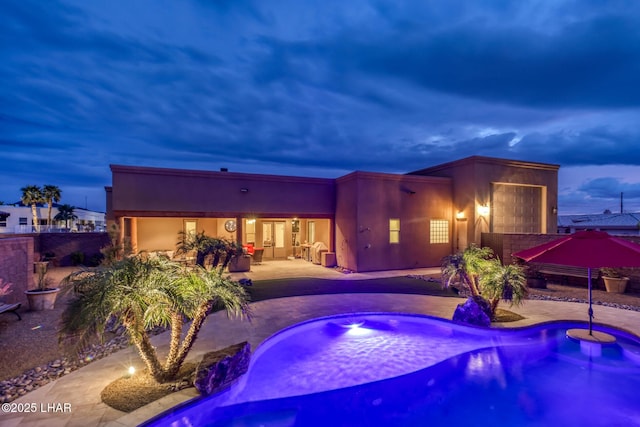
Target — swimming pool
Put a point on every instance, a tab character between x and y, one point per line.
411	370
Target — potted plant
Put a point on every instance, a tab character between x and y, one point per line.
535	279
614	281
42	297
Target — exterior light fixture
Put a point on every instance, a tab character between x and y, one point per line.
131	370
554	210
483	210
244	190
460	215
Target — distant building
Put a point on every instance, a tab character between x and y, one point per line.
627	224
367	220
18	219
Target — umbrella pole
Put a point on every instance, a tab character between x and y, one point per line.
590	301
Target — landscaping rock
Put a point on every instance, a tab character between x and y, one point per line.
219	369
475	311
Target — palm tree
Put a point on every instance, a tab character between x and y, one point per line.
142	293
51	193
66	214
200	243
485	276
224	250
32	195
466	266
503	282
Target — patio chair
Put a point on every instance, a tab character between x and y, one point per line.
257	255
10	308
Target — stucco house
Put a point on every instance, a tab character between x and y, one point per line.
368	221
18	219
622	224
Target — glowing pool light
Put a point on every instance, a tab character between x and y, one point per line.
352	324
416	370
356	328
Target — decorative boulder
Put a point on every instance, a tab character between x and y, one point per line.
475	311
219	369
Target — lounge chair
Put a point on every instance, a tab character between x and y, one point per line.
10	308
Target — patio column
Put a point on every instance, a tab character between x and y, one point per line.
121	230
239	230
134	235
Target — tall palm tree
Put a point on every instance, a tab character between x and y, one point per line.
66	214
32	195
51	193
141	293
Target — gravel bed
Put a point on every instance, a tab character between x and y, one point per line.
31	379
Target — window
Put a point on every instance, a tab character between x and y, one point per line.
439	231
394	230
189	228
3	221
311	232
250	230
22	220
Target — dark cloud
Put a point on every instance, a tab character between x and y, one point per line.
317	88
610	188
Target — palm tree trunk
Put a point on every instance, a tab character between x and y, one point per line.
216	259
146	350
34	213
200	258
201	314
471	283
49	212
494	306
176	334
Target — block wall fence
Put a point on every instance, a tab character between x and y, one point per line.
506	244
19	252
16	267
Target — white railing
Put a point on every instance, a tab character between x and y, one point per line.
27	229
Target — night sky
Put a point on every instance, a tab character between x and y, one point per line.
319	88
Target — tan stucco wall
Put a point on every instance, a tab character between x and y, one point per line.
378	198
138	191
472	178
156	234
346	225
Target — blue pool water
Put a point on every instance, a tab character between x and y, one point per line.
411	370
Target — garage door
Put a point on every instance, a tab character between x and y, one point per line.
516	209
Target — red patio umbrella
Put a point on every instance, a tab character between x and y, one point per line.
589	249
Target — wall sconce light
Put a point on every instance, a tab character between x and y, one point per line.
554	210
460	215
408	190
483	210
244	190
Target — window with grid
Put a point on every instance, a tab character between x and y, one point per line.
394	230
22	220
439	231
